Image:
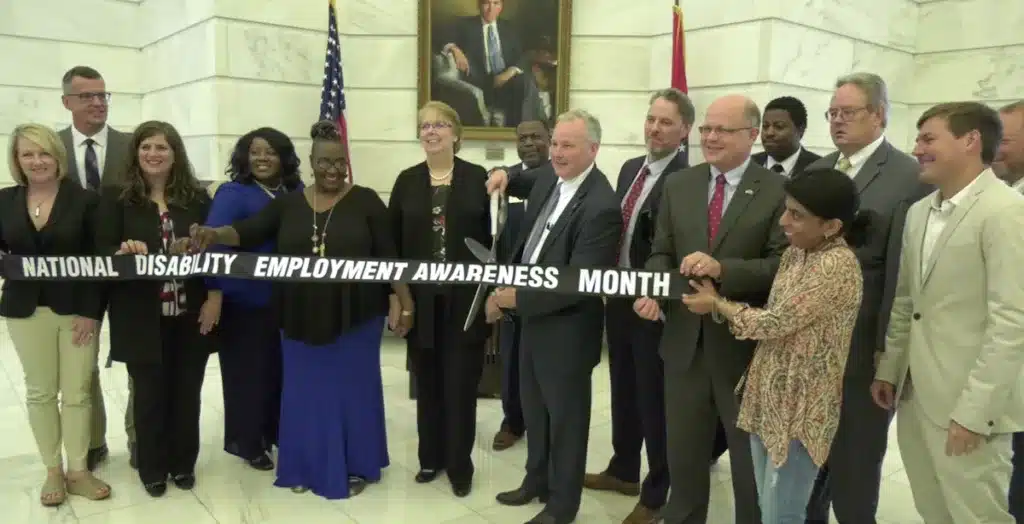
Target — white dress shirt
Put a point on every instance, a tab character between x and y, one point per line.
568	190
656	169
939	212
858	159
99	146
787	165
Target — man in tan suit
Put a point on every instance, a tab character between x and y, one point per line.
954	355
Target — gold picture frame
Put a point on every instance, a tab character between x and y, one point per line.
538	47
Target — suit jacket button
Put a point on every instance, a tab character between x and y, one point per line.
917	316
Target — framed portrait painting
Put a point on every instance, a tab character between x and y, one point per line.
496	62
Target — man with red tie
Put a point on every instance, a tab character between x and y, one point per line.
637	378
719	221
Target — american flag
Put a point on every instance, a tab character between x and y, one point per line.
332	95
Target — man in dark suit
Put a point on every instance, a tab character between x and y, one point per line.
782	129
573	220
96	155
1009	166
489	53
718	221
887	180
637	377
533	141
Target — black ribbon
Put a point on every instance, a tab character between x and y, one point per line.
610	282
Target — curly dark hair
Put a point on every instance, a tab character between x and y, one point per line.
793	106
183	188
326	131
238	169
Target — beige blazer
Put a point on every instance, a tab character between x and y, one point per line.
958	328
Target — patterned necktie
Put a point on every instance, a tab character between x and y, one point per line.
92	166
844	165
629	204
715	208
494	59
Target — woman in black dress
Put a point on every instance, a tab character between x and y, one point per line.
163	331
333	438
434	206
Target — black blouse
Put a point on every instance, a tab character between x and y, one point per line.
313	312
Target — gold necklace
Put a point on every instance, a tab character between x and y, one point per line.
320	235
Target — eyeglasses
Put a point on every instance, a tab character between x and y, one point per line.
707	130
435	126
88	97
338	164
844	114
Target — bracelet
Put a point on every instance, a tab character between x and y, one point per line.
715	314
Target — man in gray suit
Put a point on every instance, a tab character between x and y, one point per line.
573	220
1009	166
887	180
96	156
718	220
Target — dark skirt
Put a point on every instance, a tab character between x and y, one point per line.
332	413
250	369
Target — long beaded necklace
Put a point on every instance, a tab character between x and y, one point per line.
319	237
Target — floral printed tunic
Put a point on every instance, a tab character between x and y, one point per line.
793	388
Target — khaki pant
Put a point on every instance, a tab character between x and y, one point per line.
952	490
98	423
54	365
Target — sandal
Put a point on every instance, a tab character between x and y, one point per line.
53	493
89	487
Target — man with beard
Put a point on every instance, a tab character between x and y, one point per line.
637	373
782	129
533	140
1009	166
95	155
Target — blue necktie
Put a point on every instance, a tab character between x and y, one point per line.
494	58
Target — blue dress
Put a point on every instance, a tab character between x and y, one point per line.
332	400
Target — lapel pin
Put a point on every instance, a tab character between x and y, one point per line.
749	192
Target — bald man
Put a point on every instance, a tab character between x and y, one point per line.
718	220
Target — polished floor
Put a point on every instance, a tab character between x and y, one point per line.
228	492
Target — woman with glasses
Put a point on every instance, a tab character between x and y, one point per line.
332	438
435	205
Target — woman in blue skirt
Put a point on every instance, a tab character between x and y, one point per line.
332	437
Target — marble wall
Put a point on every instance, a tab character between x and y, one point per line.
971	50
218	68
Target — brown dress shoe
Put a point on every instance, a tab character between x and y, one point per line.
605	482
504	439
641	515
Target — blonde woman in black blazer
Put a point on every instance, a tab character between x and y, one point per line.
434	206
164	331
53	324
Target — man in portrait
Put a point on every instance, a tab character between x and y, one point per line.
488	53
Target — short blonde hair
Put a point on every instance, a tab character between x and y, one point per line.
448	113
45	138
591	122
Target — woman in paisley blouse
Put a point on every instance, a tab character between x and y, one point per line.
792	391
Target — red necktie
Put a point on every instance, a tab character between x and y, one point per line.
629	205
715	208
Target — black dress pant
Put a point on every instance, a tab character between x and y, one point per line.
447	376
167	402
508	334
250	369
638	400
